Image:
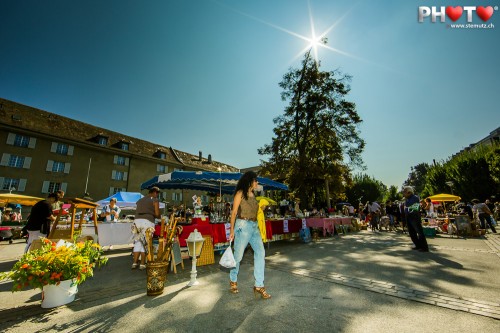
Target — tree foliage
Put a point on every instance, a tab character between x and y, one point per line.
316	133
365	188
470	174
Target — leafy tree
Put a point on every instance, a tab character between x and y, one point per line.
393	194
319	128
365	188
416	178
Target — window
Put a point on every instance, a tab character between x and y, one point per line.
161	168
9	183
50	186
119	175
58	166
21	141
54	187
120	160
62	149
177	196
162	155
123	145
114	190
16	161
102	140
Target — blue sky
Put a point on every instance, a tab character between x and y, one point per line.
203	75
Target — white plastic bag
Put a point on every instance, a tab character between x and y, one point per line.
227	259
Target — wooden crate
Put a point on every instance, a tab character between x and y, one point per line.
207	252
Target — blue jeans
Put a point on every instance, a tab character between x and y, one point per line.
248	232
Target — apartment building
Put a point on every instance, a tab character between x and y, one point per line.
42	152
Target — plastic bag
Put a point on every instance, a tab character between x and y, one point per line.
227	259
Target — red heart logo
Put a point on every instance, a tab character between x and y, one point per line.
454	13
484	13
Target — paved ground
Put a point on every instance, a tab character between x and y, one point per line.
360	282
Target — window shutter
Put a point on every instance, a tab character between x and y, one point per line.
2	179
70	150
115	159
157	168
50	164
32	143
67	166
11	138
27	162
22	185
127	161
64	186
53	147
181	195
113	174
45	186
5	159
125	175
111	191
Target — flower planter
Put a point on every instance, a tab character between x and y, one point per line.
56	295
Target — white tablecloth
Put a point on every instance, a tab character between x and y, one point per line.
110	233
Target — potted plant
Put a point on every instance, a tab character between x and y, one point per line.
56	267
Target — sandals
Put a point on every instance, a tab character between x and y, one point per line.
233	287
142	267
261	291
135	265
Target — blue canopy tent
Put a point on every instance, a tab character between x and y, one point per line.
124	200
224	182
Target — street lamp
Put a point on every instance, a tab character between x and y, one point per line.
220	184
450	184
194	243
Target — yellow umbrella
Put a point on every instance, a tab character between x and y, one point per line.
6	198
444	197
270	202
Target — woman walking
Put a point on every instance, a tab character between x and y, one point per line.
244	231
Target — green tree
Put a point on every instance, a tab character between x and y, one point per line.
416	178
319	128
365	188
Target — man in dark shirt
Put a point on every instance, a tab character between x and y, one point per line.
414	223
39	220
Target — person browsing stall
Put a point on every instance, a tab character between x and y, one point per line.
111	212
41	216
147	210
244	231
414	223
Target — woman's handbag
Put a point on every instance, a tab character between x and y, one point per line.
227	259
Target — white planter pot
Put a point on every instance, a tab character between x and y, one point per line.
64	293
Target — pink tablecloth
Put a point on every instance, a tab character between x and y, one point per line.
327	223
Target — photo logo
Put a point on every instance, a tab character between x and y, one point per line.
455	13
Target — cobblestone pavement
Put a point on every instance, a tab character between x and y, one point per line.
458	274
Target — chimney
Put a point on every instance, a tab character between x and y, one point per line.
209	158
199	156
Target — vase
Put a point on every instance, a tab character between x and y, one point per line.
156	277
56	295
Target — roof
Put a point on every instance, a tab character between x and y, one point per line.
39	121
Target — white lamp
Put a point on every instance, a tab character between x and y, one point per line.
194	243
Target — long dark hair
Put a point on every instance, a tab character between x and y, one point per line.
245	182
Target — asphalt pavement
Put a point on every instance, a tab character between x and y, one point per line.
360	282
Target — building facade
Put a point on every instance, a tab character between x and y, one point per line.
42	152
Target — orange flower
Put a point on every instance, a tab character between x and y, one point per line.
25	266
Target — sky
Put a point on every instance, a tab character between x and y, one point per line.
203	75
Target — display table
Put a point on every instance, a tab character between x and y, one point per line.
111	233
328	223
204	229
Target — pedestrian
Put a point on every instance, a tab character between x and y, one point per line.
111	212
148	208
245	230
484	214
41	215
413	220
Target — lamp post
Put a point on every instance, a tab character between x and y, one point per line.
194	243
220	184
